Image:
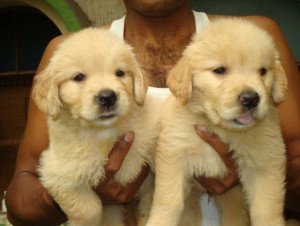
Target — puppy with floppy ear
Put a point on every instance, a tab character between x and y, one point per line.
140	84
45	93
229	86
93	91
280	86
180	80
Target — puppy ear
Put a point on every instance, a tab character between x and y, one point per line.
280	85
180	81
45	93
140	85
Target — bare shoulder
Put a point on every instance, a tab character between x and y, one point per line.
264	22
107	26
50	48
267	24
57	40
54	44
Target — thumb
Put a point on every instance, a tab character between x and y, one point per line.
212	139
118	154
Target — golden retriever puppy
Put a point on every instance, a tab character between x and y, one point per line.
228	80
93	92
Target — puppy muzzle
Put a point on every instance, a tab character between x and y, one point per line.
107	99
249	101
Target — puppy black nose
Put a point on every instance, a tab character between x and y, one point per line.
107	98
249	99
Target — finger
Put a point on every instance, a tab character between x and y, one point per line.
109	192
220	147
118	154
131	189
293	174
114	193
211	185
219	185
212	139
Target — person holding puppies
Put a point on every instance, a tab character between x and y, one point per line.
159	31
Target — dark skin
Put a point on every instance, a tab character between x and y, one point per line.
158	37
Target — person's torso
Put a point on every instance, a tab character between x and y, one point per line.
156	59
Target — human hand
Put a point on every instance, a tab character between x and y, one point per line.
218	185
29	203
109	190
292	204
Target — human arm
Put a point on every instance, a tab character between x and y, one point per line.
28	203
289	112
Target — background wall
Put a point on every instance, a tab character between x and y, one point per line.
102	12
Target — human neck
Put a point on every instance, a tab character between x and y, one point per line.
159	41
180	21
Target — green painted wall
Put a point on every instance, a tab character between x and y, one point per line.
64	9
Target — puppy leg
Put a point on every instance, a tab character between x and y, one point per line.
81	205
265	193
145	200
191	214
168	199
233	208
113	216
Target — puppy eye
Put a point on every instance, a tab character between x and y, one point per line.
263	71
220	71
120	73
79	77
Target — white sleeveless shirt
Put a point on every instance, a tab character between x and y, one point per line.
117	27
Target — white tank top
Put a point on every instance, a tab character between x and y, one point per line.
117	27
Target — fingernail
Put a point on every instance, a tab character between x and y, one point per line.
201	128
128	137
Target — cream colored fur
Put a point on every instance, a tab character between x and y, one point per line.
205	96
82	132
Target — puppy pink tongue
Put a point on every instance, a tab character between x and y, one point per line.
245	119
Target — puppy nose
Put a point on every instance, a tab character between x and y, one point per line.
107	98
249	99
